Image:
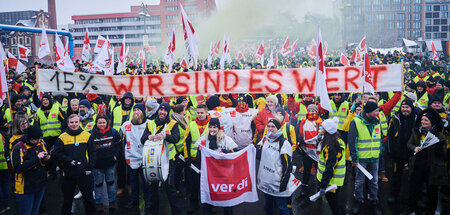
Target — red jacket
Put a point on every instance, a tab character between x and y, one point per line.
262	119
295	106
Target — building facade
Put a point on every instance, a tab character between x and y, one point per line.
138	28
437	25
384	22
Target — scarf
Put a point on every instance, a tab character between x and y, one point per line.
104	130
202	124
228	101
180	119
274	137
87	115
213	142
162	122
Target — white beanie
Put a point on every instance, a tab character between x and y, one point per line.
331	125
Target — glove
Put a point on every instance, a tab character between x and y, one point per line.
88	172
322	191
73	163
283	187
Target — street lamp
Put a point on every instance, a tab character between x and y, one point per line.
144	14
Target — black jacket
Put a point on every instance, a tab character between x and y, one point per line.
30	174
78	146
400	130
107	146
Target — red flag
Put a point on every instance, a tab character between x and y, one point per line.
368	76
293	47
217	48
433	49
312	49
122	57
86	52
260	50
344	60
184	63
100	41
362	46
190	38
240	56
286	48
23	52
321	77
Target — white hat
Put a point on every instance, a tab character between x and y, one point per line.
331	125
411	96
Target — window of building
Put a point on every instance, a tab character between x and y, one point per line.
428	8
418	1
444	28
20	40
171	17
408	25
444	7
380	17
190	7
192	16
443	35
444	14
417	16
14	51
400	17
443	21
416	25
171	0
400	25
13	41
417	8
436	35
171	25
436	15
435	28
428	15
157	18
436	22
369	18
427	21
428	29
416	34
391	17
391	25
427	35
171	8
436	8
401	33
189	0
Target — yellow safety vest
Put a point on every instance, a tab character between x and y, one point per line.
117	117
90	125
3	164
339	169
423	101
368	146
195	135
151	126
340	113
64	105
8	114
383	123
302	111
51	126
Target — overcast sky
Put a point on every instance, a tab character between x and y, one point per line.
66	8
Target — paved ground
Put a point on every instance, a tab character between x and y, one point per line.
53	201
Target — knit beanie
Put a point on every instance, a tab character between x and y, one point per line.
85	103
214	122
313	107
408	102
213	102
331	125
370	106
165	106
139	106
275	122
33	132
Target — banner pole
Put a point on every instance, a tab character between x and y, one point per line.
36	85
9	104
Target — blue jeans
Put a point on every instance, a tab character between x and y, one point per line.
4	189
382	166
135	175
281	203
29	204
108	175
360	178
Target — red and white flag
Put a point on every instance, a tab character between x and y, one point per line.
321	77
63	60
210	53
367	76
44	46
344	60
217	48
184	64
286	48
170	53
122	57
293	47
3	83
260	52
190	38
99	44
228	179
14	63
110	64
271	62
312	49
433	49
86	52
23	52
362	48
142	60
226	57
2	53
240	56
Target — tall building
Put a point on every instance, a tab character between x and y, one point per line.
384	22
142	26
437	25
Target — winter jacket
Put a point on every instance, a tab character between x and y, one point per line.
398	136
107	146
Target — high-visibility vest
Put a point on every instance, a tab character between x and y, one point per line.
64	105
368	146
423	101
197	99
340	113
445	102
180	146
117	117
338	170
195	135
297	98
151	125
253	101
437	74
29	85
397	106
302	111
3	164
112	104
383	123
417	79
90	125
8	114
51	126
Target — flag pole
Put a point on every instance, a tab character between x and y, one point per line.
9	104
36	85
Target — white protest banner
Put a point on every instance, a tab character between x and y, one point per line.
429	140
316	196
365	172
285	81
228	179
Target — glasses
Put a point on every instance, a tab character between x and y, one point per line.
271	126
